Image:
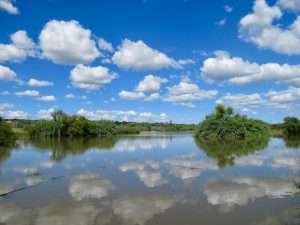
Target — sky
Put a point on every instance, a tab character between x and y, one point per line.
149	60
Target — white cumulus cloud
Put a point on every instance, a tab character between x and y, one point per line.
72	96
7	5
44	114
39	83
235	70
21	47
27	93
91	78
47	98
150	84
131	95
241	100
6	74
14	114
259	28
105	45
140	57
293	5
67	42
6	106
185	92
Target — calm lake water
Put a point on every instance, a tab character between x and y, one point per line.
148	179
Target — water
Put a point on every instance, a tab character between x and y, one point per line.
148	179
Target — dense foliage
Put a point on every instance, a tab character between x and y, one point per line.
291	126
63	125
7	135
224	125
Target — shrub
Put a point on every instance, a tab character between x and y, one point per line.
291	126
82	127
7	136
105	128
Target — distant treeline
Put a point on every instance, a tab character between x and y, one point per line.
63	125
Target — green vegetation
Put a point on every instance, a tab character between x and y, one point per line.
289	131
224	125
291	142
63	125
7	136
226	136
291	127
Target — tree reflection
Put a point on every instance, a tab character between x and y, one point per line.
61	148
225	152
292	142
5	151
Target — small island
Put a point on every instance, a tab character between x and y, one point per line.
223	125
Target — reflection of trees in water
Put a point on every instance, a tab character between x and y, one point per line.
5	151
61	148
292	142
225	152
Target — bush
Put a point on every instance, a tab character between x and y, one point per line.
7	136
105	128
82	127
291	126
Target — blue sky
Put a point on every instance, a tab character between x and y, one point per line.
149	60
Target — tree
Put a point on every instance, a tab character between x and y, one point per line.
58	115
219	111
82	127
229	111
223	112
291	126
